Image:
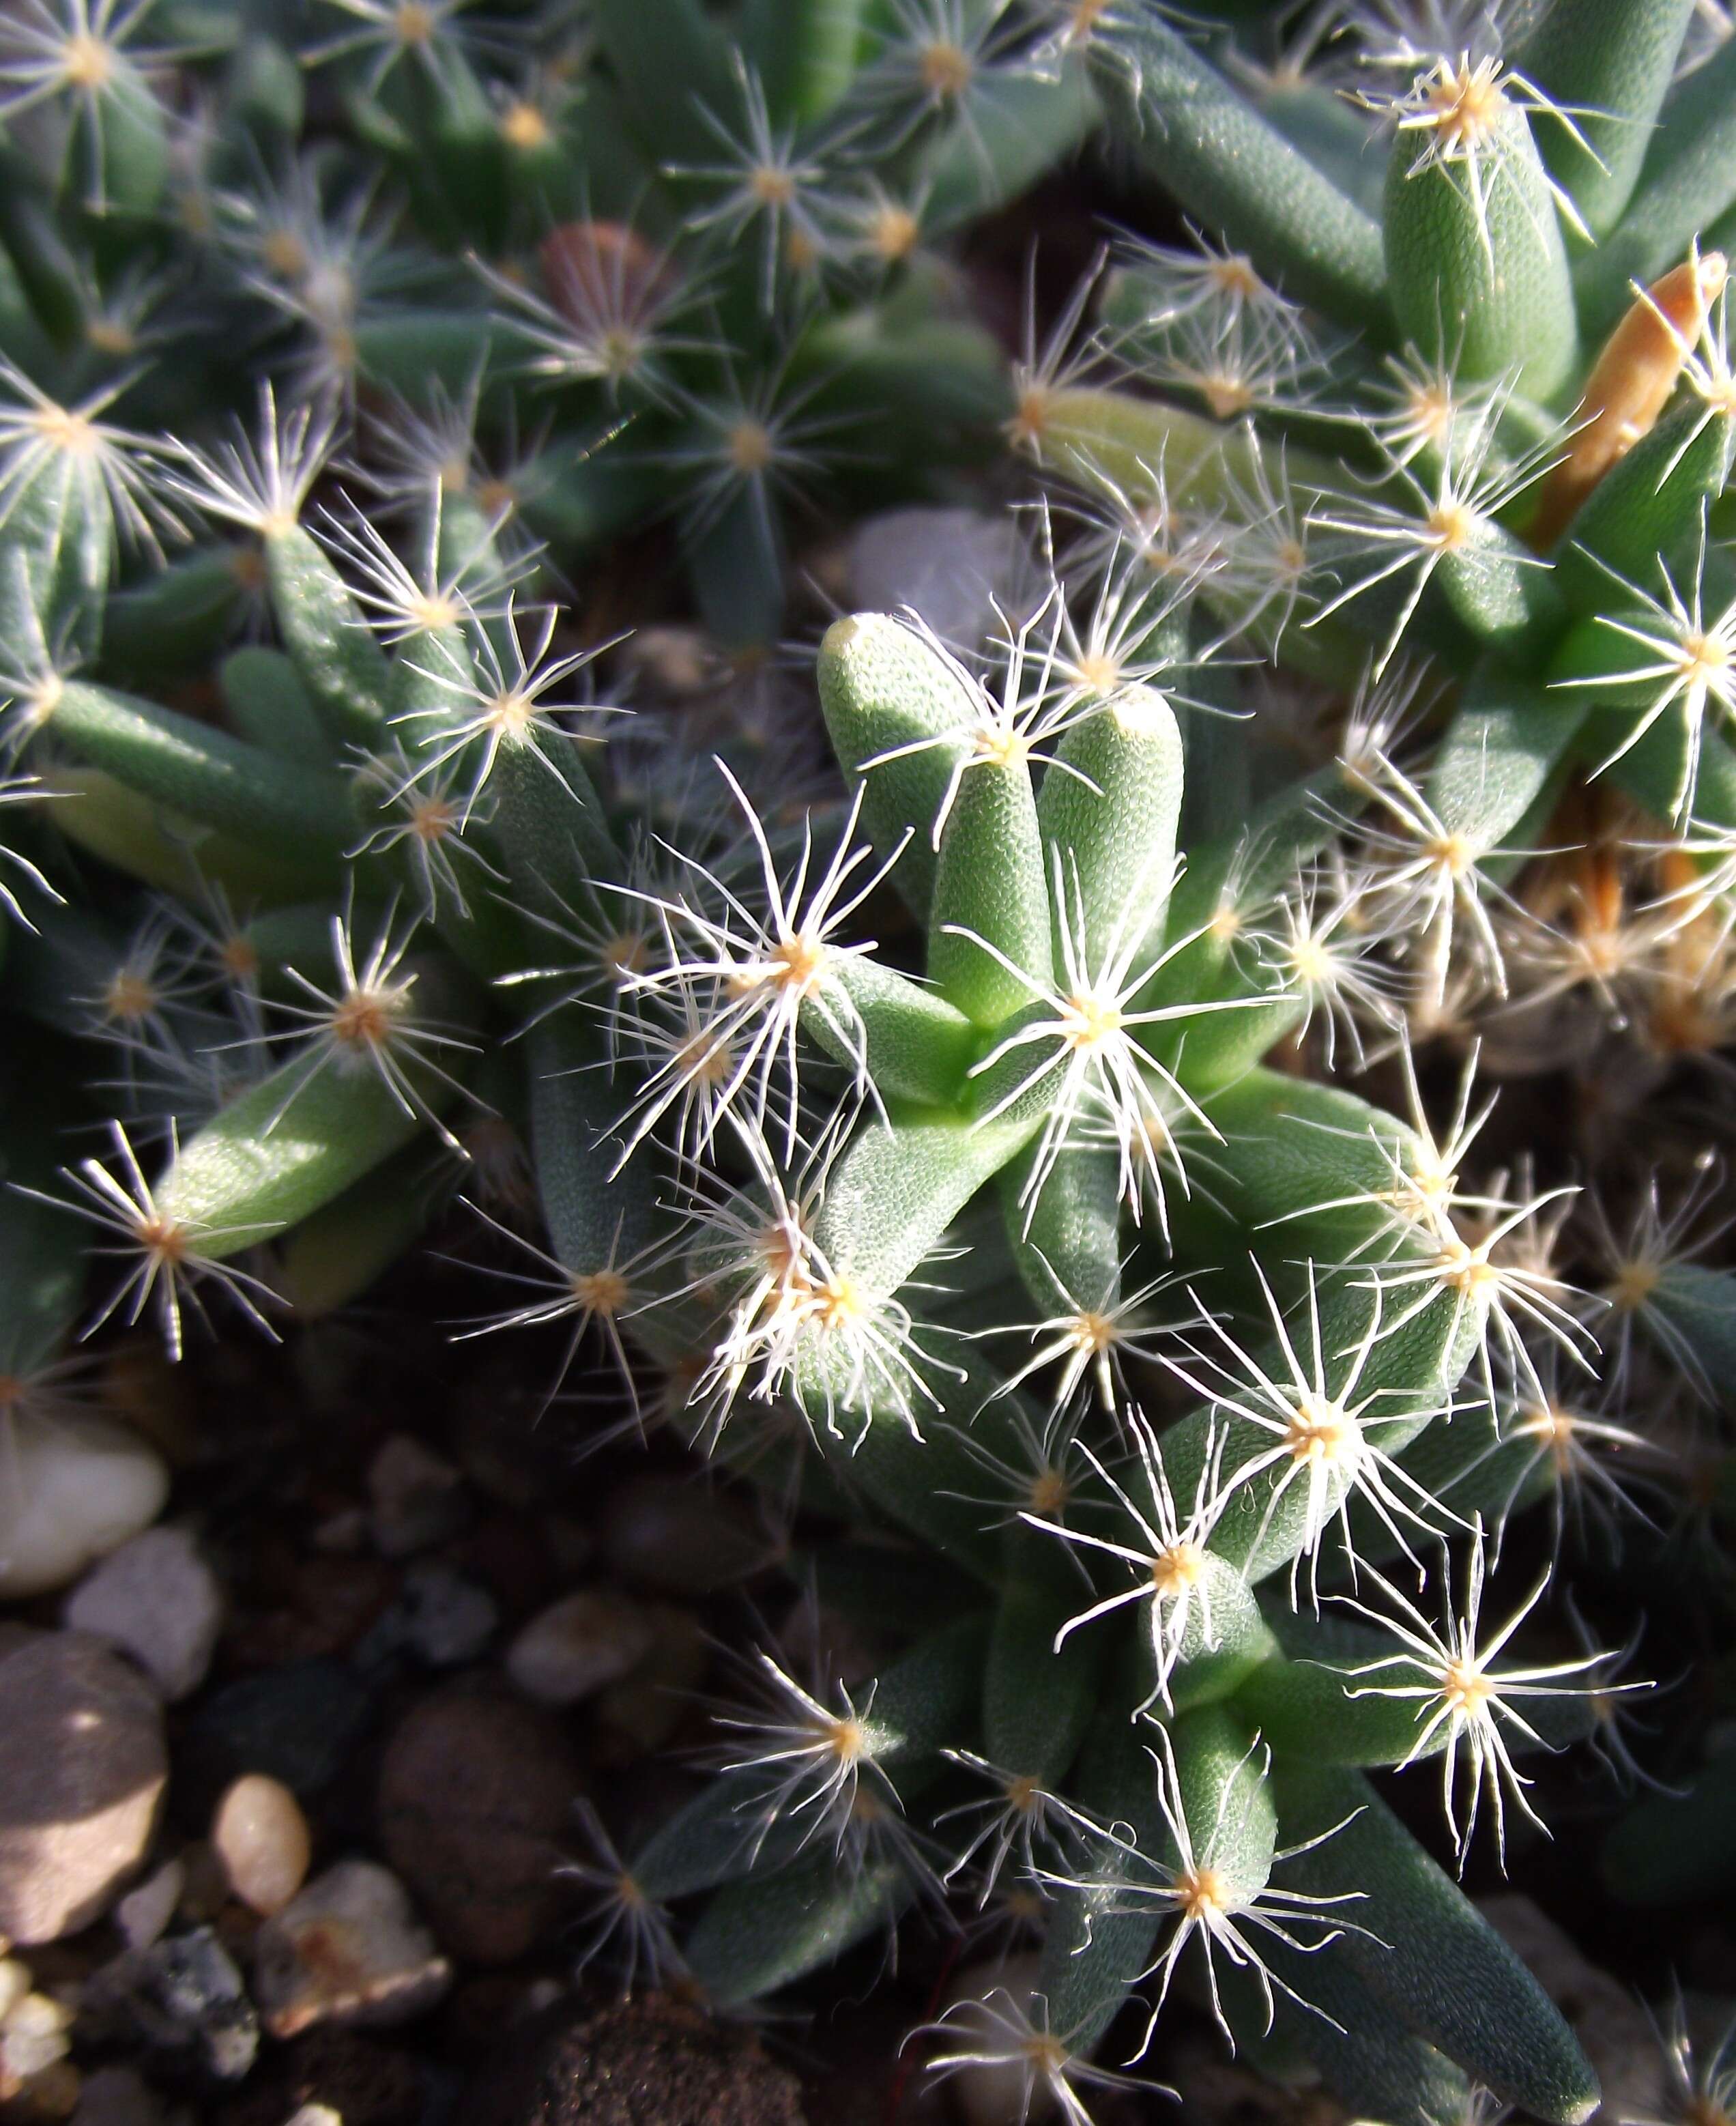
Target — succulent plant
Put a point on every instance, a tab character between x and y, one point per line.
941	1137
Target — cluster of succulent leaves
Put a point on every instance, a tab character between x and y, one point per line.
944	1138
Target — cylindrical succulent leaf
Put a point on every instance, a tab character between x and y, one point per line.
1605	64
1474	256
1427	1951
1234	170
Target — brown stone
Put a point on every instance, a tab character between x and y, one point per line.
82	1770
648	2062
476	1795
509	1555
330	1602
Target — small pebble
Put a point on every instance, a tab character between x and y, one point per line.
348	1949
155	1599
326	1605
957	568
577	1645
82	1771
500	1456
144	1914
647	1707
450	1619
76	1487
190	1995
344	1533
51	2095
417	1497
440	1616
15	1983
117	2096
679	660
673	1534
33	2036
205	1887
260	1837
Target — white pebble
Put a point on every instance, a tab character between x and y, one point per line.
957	568
260	1835
574	1647
155	1599
417	1497
33	2037
349	1949
76	1487
143	1914
15	1983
